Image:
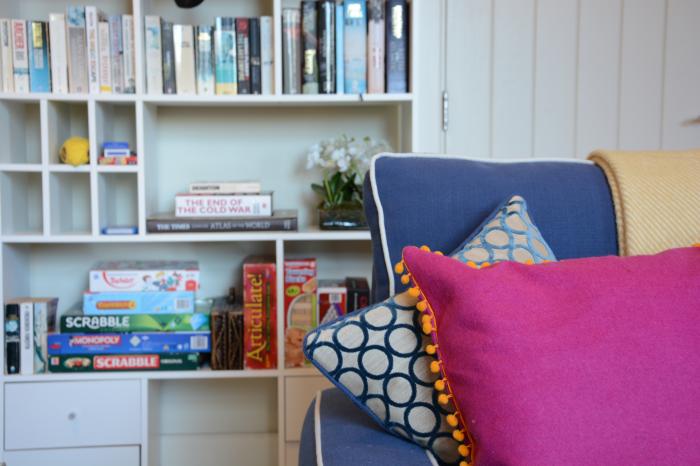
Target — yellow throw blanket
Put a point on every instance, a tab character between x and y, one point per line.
656	197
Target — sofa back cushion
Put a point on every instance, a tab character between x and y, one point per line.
439	200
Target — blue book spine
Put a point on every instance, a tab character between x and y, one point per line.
225	56
61	344
355	32
39	74
397	46
125	302
339	49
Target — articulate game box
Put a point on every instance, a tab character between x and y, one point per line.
110	323
260	313
130	302
126	343
123	362
144	276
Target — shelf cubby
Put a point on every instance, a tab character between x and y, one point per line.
22	204
20	132
70	203
66	119
115	121
118	199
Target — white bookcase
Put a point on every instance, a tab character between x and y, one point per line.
51	217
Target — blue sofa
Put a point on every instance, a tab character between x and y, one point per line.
439	201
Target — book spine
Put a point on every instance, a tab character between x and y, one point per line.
355	33
39	70
40	333
218	340
326	46
291	51
183	45
252	187
77	50
223	205
255	58
93	66
234	340
124	362
309	31
243	54
20	58
129	54
12	339
118	303
169	81
227	225
26	338
59	60
105	58
375	46
205	60
339	48
7	84
260	315
154	55
396	46
111	323
117	53
225	56
267	55
124	343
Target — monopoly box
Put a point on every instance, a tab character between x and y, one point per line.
131	302
260	313
144	276
127	343
109	323
123	362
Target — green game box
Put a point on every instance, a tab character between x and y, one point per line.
76	322
124	362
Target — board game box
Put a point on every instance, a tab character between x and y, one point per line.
124	362
332	300
300	307
131	302
77	322
260	313
144	276
126	343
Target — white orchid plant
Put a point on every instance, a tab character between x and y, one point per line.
344	161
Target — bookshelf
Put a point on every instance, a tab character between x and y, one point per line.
51	216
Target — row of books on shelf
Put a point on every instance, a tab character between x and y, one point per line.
145	315
79	51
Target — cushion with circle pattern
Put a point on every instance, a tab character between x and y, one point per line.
376	356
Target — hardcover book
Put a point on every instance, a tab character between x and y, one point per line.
291	51
154	55
169	82
267	55
339	47
243	55
225	56
397	46
39	71
129	54
260	313
183	42
126	343
77	50
309	32
7	84
223	205
205	59
116	53
144	276
326	46
225	187
355	33
58	53
281	220
20	60
12	339
26	337
124	362
129	302
375	46
92	18
77	322
105	57
255	57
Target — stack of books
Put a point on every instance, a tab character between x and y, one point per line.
80	51
351	47
223	207
233	56
136	316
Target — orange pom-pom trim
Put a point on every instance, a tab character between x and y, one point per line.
431	349
414	292
452	420
458	435
435	367
463	450
405	279
425	248
444	398
439	385
422	306
472	265
399	268
439	253
427	328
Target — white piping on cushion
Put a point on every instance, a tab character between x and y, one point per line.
431	458
380	208
317	429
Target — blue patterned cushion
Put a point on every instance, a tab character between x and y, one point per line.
375	355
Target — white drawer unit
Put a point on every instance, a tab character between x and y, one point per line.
106	456
72	414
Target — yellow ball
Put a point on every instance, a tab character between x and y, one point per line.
75	151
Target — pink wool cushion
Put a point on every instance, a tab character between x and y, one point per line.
579	362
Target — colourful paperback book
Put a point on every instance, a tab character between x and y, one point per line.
166	302
39	73
204	60
124	362
356	56
223	205
77	322
20	59
126	343
225	56
339	48
154	55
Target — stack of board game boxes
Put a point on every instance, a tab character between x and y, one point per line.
135	316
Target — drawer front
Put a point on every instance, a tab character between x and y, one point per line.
299	391
72	414
107	456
